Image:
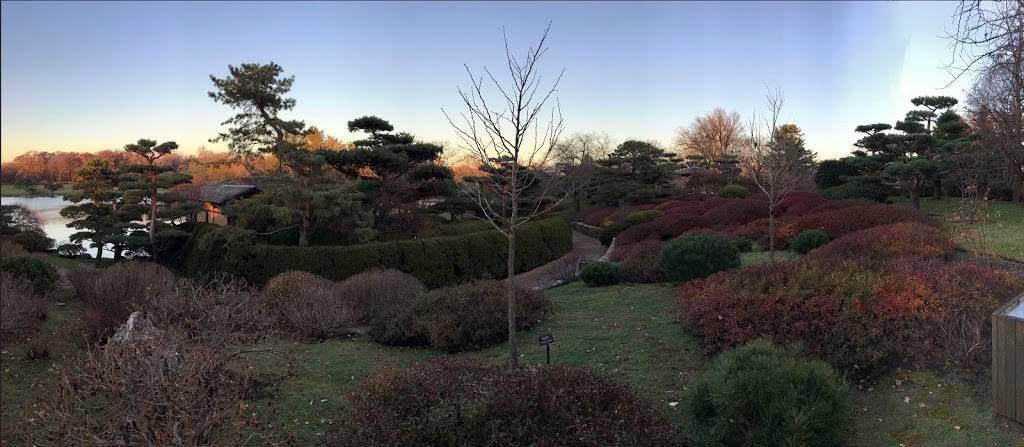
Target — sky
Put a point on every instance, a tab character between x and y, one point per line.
91	76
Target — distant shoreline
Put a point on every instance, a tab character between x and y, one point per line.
11	190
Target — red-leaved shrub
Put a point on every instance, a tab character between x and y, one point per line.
860	317
641	232
459	402
889	241
627	251
737	212
643	263
597	215
832	205
943	311
837	223
675	225
798	203
690	208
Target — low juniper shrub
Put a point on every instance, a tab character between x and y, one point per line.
808	240
597	274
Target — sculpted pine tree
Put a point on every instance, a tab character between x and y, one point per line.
100	212
149	183
306	192
395	169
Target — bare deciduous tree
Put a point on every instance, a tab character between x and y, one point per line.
711	137
576	159
774	157
988	40
509	127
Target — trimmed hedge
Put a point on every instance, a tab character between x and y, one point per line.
696	255
599	274
435	261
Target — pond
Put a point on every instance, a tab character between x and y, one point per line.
54	225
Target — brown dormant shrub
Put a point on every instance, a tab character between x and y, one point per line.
118	291
21	309
308	305
167	391
287	285
217	311
378	295
9	248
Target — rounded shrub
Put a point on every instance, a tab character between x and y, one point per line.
743	244
890	241
696	255
760	394
287	285
40	273
460	402
737	212
309	305
474	315
644	264
808	240
598	274
733	192
386	299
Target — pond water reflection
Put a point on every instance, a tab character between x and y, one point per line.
54	225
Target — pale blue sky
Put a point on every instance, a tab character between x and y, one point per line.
91	76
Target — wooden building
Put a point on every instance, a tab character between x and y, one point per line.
1008	362
215	196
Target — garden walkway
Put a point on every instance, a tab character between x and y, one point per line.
584	249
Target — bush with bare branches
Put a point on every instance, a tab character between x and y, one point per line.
115	292
168	390
310	306
217	311
10	248
376	295
21	309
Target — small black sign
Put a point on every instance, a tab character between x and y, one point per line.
545	339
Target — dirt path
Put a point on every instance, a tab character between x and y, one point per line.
584	248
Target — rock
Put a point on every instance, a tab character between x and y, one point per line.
137	328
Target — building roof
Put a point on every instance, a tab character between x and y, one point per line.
229	189
686	172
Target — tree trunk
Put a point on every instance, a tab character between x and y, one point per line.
915	196
99	253
117	252
937	191
304	228
771	231
1017	184
513	350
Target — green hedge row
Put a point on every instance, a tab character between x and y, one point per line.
437	261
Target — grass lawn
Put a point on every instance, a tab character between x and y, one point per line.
9	190
1004	235
753	258
22	381
628	333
